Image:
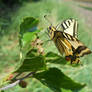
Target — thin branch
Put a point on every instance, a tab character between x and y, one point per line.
26	76
17	81
10	85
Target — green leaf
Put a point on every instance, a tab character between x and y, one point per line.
56	80
28	30
54	58
27	38
29	24
32	64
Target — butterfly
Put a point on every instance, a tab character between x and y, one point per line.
66	40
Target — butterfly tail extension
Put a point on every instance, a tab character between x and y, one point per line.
75	28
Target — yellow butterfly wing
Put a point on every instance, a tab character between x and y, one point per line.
70	45
62	44
78	46
69	26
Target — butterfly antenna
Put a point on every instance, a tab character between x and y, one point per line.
45	16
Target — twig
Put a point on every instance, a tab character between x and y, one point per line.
16	82
10	85
26	76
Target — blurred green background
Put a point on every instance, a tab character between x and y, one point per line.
12	13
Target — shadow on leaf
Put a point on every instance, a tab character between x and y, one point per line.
56	80
55	58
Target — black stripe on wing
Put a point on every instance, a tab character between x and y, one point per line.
82	50
66	23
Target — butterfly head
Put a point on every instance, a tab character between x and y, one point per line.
51	29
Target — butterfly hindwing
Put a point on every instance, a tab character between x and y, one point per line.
78	48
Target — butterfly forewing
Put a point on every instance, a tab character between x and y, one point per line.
62	44
69	26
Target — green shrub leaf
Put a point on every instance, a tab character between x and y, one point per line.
56	80
28	30
54	58
33	64
29	24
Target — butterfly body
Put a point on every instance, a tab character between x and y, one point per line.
67	43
